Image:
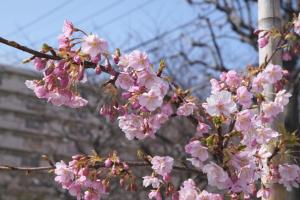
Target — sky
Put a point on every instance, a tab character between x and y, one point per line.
124	23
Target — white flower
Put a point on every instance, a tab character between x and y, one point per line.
220	103
151	180
93	45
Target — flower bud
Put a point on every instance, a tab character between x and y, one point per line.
98	70
108	163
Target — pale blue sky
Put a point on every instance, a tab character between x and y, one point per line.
123	22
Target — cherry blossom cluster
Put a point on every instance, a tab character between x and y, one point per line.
88	177
79	180
144	90
233	126
61	77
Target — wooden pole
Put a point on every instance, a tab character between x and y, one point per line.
269	18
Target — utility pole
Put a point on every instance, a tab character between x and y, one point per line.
269	18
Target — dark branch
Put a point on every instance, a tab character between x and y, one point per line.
35	53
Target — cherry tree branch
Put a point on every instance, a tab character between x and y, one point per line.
129	163
39	54
28	50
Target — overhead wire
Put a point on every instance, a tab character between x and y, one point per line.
96	13
41	17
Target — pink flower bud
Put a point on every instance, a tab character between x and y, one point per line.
98	70
108	163
96	59
126	167
77	59
39	64
286	56
122	182
263	41
167	178
116	59
68	28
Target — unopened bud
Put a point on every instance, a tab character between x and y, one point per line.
98	70
108	163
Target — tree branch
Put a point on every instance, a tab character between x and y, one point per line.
35	53
129	163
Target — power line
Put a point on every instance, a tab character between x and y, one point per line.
125	14
96	13
112	20
41	17
157	37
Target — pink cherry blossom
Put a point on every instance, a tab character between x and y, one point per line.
273	73
59	98
64	42
124	81
124	62
271	109
244	97
146	79
161	85
204	195
202	128
64	175
76	102
75	190
151	180
151	100
93	45
263	193
132	126
91	195
220	103
197	150
232	79
155	194
245	180
39	90
162	165
258	82
139	60
39	64
68	28
216	176
196	162
264	135
282	97
188	190
289	174
244	120
215	86
186	109
167	109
